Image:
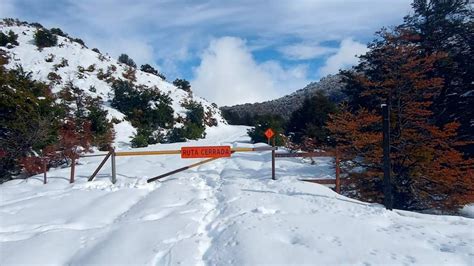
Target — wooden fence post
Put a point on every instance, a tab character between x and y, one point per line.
44	171
114	172
338	172
273	160
73	168
388	199
100	166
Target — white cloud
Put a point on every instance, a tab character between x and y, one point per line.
345	57
303	51
228	74
7	9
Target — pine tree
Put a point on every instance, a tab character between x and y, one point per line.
309	121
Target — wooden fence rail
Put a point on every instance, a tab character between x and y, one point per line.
112	154
335	154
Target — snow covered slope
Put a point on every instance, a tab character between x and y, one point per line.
228	212
86	69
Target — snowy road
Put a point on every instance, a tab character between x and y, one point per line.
228	212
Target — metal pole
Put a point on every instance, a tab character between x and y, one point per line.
44	171
73	168
273	160
114	173
338	171
388	198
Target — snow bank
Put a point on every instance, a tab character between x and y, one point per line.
468	210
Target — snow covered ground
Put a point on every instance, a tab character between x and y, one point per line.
227	212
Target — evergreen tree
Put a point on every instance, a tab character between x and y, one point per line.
309	121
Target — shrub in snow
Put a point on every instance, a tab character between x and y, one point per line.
145	137
11	38
194	123
176	135
262	123
149	69
28	122
125	59
144	106
55	78
32	165
49	58
79	41
182	84
58	31
44	38
130	74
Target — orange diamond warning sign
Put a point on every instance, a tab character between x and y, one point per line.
269	133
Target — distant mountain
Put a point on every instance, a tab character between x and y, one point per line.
332	85
70	61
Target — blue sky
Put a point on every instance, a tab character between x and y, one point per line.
231	51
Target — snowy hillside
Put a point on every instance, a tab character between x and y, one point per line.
228	212
90	71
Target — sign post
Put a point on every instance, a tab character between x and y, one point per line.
273	160
269	134
388	199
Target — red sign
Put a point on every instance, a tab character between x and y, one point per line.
269	133
206	152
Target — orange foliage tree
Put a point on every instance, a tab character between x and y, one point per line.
428	171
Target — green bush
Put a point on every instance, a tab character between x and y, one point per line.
79	41
194	124
144	107
140	138
58	31
182	84
28	122
145	136
44	38
262	123
11	38
149	69
125	59
177	135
